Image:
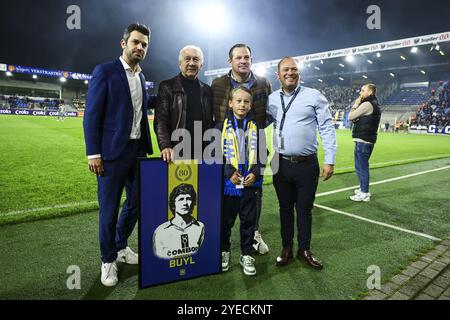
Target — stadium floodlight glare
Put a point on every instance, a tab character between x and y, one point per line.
392	75
436	47
261	71
34	76
414	49
349	58
370	61
62	79
403	58
341	65
9	74
422	72
364	76
378	55
212	17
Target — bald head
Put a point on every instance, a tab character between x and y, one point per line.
288	74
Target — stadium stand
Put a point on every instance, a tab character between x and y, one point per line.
436	110
39	103
408	96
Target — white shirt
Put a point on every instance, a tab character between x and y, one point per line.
134	82
171	240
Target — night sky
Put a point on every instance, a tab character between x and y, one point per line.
34	33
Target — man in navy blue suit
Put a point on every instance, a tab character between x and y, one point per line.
116	132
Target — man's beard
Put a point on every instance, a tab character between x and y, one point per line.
134	59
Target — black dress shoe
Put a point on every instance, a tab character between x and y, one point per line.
284	257
310	259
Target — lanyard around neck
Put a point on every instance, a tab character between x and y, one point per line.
286	108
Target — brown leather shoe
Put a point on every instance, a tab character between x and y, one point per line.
308	256
284	257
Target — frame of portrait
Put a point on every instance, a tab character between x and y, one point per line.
179	226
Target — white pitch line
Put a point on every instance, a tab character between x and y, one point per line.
378	223
58	206
377	165
383	181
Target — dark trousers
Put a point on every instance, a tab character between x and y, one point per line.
259	194
119	174
296	185
363	151
245	206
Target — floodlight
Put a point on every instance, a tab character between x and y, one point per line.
261	71
212	17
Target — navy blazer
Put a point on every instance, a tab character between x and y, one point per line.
108	117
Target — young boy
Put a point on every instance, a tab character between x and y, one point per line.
241	176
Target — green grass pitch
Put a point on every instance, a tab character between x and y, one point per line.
43	174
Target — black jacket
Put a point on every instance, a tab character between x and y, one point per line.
170	110
366	127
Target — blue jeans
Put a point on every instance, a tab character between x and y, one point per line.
363	151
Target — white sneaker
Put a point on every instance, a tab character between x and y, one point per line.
225	261
259	244
361	197
359	191
248	265
128	256
109	274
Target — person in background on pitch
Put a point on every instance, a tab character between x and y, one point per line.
116	132
242	176
298	113
365	115
61	110
240	61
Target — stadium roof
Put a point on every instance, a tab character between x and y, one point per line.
421	55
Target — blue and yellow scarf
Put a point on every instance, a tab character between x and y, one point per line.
234	147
